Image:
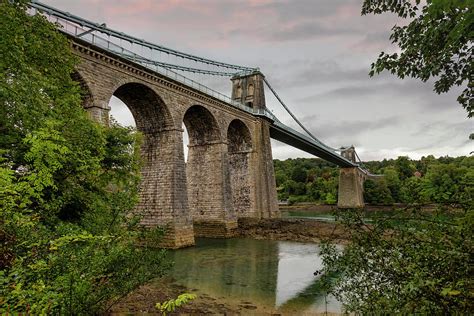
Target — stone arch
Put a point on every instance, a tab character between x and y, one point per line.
239	138
238	92
202	126
250	90
148	109
239	146
206	170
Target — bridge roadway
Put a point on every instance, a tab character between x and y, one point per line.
289	136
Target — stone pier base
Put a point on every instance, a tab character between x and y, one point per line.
178	236
215	229
351	188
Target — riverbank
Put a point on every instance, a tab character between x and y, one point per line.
328	208
301	230
143	300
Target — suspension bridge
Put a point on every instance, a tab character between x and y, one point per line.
229	173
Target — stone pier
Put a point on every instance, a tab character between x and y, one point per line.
351	188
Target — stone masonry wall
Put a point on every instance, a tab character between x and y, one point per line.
350	192
262	168
159	105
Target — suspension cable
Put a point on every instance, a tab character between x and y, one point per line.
144	60
103	29
289	112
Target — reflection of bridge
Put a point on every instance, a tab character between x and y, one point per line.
229	172
276	274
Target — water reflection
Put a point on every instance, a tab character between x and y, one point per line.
277	274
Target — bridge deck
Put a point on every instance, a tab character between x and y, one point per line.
287	135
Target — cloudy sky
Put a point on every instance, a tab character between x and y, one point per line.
316	54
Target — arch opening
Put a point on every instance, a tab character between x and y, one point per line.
86	95
149	111
120	113
238	137
239	146
201	126
250	90
238	92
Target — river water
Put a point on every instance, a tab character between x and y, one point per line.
274	274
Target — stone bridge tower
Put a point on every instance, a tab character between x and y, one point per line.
248	89
351	182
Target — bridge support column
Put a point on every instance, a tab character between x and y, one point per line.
262	168
351	188
209	190
98	111
163	199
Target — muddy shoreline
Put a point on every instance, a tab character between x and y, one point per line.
143	299
292	229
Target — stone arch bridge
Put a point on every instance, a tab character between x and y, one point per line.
229	172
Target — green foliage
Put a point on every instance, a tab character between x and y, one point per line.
428	180
436	42
67	185
406	263
304	180
392	179
411	191
448	183
298	174
171	305
377	192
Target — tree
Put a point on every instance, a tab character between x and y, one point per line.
298	174
393	183
446	183
67	185
404	167
435	43
411	191
377	192
407	263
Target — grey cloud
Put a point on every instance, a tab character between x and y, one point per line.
446	132
290	10
353	128
312	72
420	93
304	30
